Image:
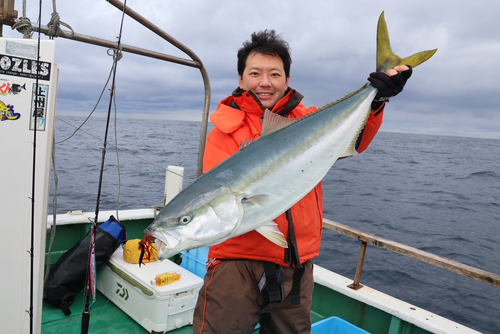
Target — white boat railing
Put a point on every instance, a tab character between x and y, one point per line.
414	253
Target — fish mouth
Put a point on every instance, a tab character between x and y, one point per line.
166	242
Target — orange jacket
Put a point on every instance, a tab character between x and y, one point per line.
238	118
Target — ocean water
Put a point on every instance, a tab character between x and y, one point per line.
438	194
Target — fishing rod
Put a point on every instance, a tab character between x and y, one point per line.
91	262
35	125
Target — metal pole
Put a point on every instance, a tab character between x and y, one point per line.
140	19
127	48
357	276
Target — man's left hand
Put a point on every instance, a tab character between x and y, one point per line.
390	84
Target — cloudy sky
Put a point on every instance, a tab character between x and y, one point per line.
457	92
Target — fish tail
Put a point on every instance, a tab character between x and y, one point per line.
387	59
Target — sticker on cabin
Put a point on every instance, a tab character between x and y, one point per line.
7	112
21	50
10	88
39	107
22	67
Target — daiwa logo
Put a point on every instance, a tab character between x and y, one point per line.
122	292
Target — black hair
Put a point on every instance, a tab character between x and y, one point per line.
266	42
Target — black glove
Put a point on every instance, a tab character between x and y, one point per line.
388	86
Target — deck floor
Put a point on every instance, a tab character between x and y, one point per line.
105	318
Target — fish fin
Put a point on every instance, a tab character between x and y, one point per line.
271	232
273	122
257	200
245	143
349	152
351	148
386	59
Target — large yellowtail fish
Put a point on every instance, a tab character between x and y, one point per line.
265	178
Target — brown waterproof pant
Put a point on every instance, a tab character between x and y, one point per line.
230	301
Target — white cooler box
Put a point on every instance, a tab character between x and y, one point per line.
156	308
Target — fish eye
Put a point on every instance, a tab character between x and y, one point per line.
185	219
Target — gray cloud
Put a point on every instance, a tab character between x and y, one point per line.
333	50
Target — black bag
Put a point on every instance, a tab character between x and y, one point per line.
69	274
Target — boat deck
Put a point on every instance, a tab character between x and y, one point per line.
365	308
105	317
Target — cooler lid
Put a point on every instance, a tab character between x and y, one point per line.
148	271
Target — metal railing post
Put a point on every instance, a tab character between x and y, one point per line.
359	267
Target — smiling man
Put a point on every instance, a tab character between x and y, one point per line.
265	76
249	279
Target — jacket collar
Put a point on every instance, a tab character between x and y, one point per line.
231	111
283	107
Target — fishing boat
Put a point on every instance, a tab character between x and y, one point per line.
340	304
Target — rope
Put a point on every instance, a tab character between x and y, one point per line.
117	160
54	209
121	149
116	53
54	25
98	100
23	25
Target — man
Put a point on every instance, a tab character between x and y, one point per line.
249	279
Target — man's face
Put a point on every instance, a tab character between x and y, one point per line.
265	76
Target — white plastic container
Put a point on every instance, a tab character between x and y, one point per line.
156	308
